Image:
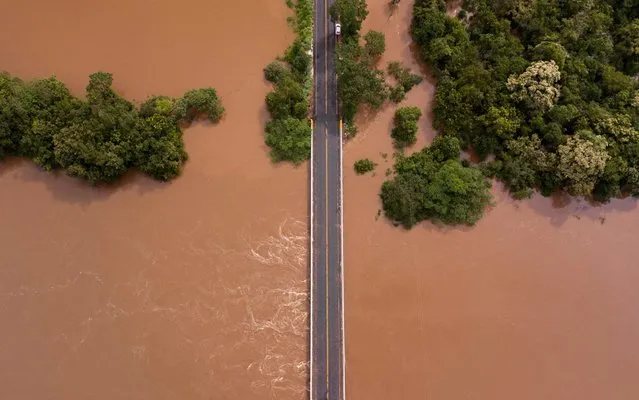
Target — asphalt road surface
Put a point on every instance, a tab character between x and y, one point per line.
327	378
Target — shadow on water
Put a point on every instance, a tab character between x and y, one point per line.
561	207
76	191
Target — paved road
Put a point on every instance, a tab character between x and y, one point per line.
327	378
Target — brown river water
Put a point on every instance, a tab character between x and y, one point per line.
538	301
196	289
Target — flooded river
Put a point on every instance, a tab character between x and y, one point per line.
538	301
195	289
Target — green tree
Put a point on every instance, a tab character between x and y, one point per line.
457	194
550	51
276	72
357	84
289	139
537	86
288	100
100	138
582	160
375	45
445	147
405	129
502	122
199	101
405	80
363	166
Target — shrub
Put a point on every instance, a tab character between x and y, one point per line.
403	76
289	139
199	101
276	71
375	45
405	130
363	166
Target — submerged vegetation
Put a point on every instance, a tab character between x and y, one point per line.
288	134
99	138
433	184
363	166
547	88
359	81
404	132
544	91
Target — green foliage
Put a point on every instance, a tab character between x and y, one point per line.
405	130
550	51
433	185
276	71
288	100
403	76
100	138
357	82
289	139
289	133
363	166
544	86
375	45
199	102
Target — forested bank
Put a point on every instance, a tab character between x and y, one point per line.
100	138
288	133
545	86
544	91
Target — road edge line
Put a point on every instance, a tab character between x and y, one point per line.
341	199
311	236
312	272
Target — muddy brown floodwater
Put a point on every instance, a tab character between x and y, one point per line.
538	301
194	289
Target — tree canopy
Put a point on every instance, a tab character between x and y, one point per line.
547	87
404	133
433	184
99	138
288	134
359	81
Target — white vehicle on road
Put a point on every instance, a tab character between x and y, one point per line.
338	29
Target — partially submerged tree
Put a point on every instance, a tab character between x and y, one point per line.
405	129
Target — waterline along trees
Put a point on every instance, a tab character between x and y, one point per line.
288	134
99	138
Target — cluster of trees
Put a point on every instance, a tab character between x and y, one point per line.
545	87
99	138
433	184
288	133
405	80
363	166
404	132
359	81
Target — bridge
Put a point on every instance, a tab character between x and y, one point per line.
327	377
